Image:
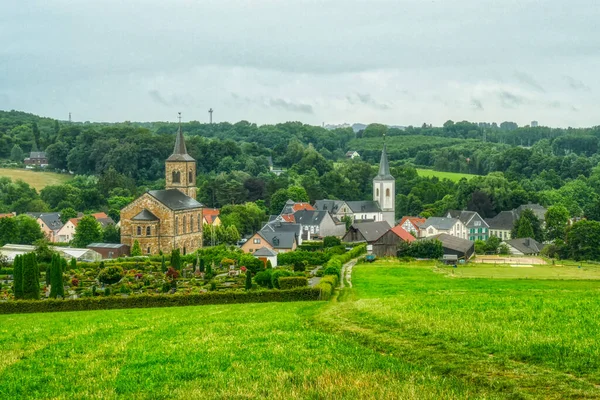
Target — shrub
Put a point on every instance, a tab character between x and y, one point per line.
263	279
278	274
326	286
331	241
291	282
7	271
110	275
31	277
144	301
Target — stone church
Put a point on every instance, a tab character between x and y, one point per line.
163	220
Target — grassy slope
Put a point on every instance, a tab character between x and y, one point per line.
38	180
403	332
453	176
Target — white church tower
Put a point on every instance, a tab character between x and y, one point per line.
384	189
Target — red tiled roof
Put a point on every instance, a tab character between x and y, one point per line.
210	211
99	215
416	221
6	215
302	206
288	217
75	221
402	234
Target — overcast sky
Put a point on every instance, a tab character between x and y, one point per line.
397	62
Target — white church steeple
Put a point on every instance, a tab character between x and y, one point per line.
384	188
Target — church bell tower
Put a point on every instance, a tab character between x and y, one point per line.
384	189
180	168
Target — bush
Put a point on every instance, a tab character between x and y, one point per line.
326	286
7	271
291	282
110	275
331	241
144	301
334	265
298	256
278	274
263	279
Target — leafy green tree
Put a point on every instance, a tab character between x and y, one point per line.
202	265
73	264
136	250
31	277
28	229
557	219
56	278
111	234
67	213
525	229
88	231
16	154
269	265
18	277
163	264
42	250
331	241
492	244
582	240
176	259
9	231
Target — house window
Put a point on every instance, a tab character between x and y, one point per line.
477	223
176	225
148	231
184	227
139	231
256	241
176	177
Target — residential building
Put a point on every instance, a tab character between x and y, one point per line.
436	225
211	216
49	223
36	158
352	154
524	246
164	220
337	208
318	224
412	224
8	215
66	233
278	242
503	223
474	226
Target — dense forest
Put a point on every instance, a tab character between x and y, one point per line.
113	163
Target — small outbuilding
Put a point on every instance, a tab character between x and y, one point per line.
265	254
110	250
453	245
387	244
524	246
366	231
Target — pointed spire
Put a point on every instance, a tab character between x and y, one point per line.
180	151
384	165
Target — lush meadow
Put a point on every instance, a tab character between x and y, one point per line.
453	176
35	179
402	331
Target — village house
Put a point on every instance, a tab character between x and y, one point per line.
412	224
367	232
502	224
278	236
524	246
352	154
318	224
37	159
164	220
211	216
475	227
49	223
66	233
436	225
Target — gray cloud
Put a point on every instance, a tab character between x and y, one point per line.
477	104
529	81
510	100
291	106
575	84
366	99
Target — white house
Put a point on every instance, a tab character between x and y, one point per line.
436	225
265	254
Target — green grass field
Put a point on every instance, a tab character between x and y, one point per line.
453	176
409	331
37	180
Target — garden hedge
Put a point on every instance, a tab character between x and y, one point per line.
327	285
291	282
175	300
334	265
6	271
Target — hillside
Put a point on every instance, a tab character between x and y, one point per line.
35	179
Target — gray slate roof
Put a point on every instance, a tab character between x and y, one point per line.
526	245
364	206
264	252
174	199
279	240
372	231
384	167
180	151
37	154
310	217
440	223
331	206
452	242
505	220
51	220
538	210
145	215
279	226
466	216
106	245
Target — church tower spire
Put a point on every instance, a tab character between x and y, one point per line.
384	188
180	167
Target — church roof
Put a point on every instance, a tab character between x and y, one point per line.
145	215
384	167
180	151
174	199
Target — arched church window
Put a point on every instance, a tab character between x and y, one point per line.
148	249
184	227
191	223
176	177
148	231
190	177
199	222
139	231
176	225
377	192
387	192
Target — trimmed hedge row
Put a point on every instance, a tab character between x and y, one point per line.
291	282
327	285
335	264
7	271
146	301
